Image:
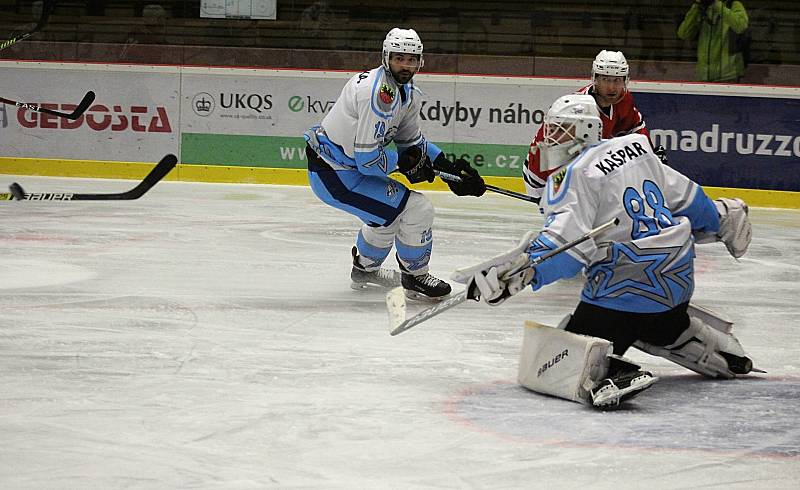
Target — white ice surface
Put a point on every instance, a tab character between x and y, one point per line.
205	336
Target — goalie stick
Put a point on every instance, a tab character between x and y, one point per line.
396	301
161	169
499	190
75	114
47	9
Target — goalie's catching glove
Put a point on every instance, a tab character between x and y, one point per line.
415	166
471	182
735	230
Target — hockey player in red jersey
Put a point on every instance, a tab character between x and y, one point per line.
609	87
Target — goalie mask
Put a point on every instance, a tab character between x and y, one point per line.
404	41
572	123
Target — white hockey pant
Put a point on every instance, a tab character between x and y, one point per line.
411	232
698	348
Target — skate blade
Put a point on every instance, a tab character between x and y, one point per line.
370	286
612	400
421	297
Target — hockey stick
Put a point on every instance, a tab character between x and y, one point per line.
499	190
161	169
75	114
47	9
396	301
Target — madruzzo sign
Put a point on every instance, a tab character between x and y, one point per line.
729	140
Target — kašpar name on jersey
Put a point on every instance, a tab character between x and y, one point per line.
620	157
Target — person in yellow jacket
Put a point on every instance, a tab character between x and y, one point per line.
713	20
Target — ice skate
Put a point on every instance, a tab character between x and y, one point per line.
380	278
612	391
424	287
738	364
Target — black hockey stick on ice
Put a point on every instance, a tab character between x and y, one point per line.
161	169
396	300
47	9
499	190
75	114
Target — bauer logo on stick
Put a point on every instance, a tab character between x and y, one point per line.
158	172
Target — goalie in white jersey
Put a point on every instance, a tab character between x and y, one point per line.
639	274
349	166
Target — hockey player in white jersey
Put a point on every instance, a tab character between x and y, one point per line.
349	166
639	274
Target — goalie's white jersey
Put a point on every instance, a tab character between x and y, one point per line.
645	264
371	112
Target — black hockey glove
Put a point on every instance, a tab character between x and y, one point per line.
661	153
415	166
471	182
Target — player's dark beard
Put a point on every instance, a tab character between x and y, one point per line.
403	76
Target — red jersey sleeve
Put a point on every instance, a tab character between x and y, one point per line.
535	178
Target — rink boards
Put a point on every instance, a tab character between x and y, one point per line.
245	125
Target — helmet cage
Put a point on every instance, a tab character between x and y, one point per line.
571	124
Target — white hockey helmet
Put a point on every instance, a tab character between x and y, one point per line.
402	41
571	124
610	63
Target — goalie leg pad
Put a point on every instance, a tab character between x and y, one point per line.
560	363
704	349
710	318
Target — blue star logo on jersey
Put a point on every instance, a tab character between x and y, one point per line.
683	276
630	269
